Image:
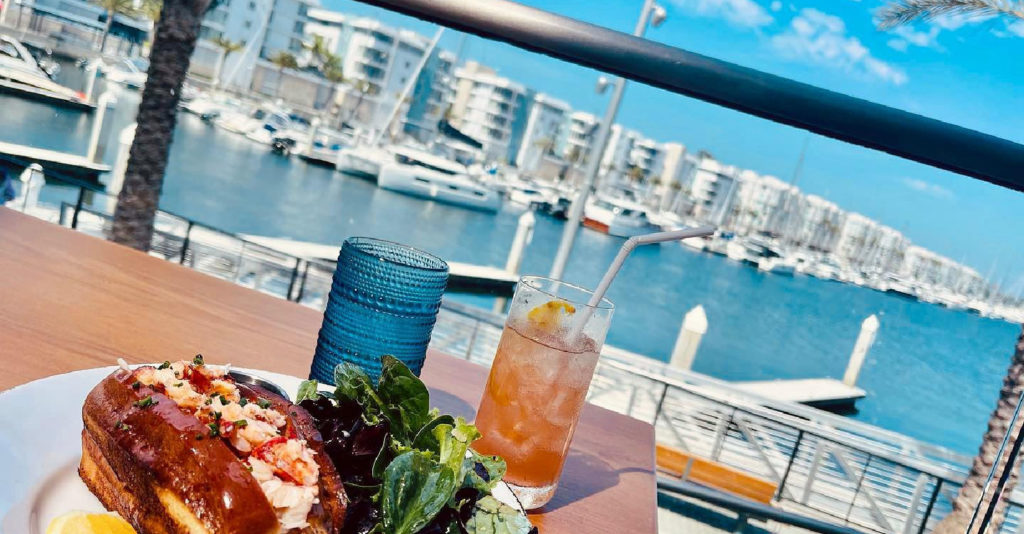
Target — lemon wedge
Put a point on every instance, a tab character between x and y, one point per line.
549	315
83	523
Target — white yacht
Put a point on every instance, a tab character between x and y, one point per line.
421	174
324	147
527	195
260	123
780	265
19	70
129	72
364	161
616	217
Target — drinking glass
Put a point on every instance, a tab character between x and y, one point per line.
384	299
538	383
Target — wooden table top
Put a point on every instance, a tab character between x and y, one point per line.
69	301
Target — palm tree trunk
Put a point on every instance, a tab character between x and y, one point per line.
176	35
998	425
106	30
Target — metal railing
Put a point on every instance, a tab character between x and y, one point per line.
838	469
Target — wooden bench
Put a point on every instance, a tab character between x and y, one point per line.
690	468
681	464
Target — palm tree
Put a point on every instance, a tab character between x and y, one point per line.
227	47
114	7
362	87
176	33
318	51
151	9
898	13
284	61
902	12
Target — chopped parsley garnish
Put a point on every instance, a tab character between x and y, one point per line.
199	437
241	423
264	403
248	467
164	365
209	400
198	360
121	425
214	429
216	416
136	384
146	402
243	401
179	384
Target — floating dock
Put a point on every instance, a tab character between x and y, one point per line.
462	277
17	157
824	393
42	95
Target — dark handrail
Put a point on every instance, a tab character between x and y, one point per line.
747	506
782	100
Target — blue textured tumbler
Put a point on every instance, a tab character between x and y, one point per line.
384	300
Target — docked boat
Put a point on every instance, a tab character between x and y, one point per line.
364	161
780	265
19	71
616	217
323	148
527	195
129	72
421	174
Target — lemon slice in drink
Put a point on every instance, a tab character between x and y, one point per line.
83	523
548	316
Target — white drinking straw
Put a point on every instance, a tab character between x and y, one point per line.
620	258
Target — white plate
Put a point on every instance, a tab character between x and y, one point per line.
41	445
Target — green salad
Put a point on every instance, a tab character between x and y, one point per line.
408	469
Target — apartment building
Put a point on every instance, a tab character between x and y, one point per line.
765	205
544	128
819	224
264	27
713	187
491	109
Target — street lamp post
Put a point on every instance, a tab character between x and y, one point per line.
576	210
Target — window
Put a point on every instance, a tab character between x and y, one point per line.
252	5
299	27
303	9
247	24
295	45
408	64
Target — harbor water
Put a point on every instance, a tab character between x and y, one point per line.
932	374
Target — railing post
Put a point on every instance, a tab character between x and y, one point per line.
295	276
789	464
856	491
661	404
302	283
819	453
915	501
78	207
931	505
472	340
720	433
187	242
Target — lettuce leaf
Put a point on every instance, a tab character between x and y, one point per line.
414	490
353	384
307	390
483	472
493	517
454	441
405	399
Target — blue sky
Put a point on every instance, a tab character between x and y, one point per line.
963	72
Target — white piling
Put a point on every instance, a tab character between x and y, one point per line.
32	181
695	325
92	71
124	141
102	102
868	329
524	234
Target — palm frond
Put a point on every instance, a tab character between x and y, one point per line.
901	12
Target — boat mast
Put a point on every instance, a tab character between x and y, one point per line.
408	87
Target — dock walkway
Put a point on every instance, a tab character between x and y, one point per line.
74	165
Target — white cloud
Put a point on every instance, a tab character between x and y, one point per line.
744	13
821	38
909	36
927	188
898	44
1012	29
776	6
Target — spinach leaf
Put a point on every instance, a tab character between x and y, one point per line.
352	383
307	390
405	398
493	517
483	472
425	439
415	489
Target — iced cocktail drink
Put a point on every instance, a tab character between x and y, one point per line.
538	383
